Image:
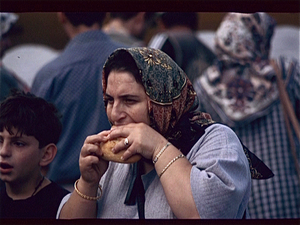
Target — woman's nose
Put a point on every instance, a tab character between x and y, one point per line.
117	112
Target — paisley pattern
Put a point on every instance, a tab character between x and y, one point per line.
162	78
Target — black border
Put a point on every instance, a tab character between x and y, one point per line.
151	5
150	222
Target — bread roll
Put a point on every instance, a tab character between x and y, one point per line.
110	156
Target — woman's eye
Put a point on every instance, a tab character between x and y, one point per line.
108	100
129	101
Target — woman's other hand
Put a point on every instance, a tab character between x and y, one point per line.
92	166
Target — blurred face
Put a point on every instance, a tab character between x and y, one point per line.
127	101
19	157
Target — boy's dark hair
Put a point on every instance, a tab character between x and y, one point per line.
86	18
32	116
189	19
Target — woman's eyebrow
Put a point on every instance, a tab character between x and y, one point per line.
129	96
124	96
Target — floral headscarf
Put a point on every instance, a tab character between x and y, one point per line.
170	91
241	84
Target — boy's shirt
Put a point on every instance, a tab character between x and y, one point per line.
42	205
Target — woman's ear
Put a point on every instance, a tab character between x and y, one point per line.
149	105
48	154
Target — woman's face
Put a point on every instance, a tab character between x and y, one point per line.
127	101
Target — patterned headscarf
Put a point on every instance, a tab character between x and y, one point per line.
241	83
7	20
171	94
244	38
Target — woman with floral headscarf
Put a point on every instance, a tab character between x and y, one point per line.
240	90
190	167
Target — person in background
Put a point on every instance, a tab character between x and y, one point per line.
177	38
72	82
128	28
240	90
190	167
8	80
29	130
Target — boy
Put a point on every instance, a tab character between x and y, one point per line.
29	130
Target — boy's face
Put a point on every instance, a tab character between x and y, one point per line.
19	157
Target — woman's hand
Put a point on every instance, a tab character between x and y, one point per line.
142	139
92	166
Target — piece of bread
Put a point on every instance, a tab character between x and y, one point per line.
110	156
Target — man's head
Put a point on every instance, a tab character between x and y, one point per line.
136	23
32	116
85	18
173	19
75	23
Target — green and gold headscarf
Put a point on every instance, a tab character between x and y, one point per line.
171	93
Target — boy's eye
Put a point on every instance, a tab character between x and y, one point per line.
19	143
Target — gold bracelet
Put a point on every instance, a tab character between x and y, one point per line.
170	163
160	152
85	196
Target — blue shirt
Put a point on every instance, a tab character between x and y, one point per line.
73	82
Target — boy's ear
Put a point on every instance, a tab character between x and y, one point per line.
49	152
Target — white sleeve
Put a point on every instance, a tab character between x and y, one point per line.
62	203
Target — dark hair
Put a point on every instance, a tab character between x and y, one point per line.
32	116
86	18
189	19
122	61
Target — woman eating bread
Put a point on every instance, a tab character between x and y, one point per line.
187	165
